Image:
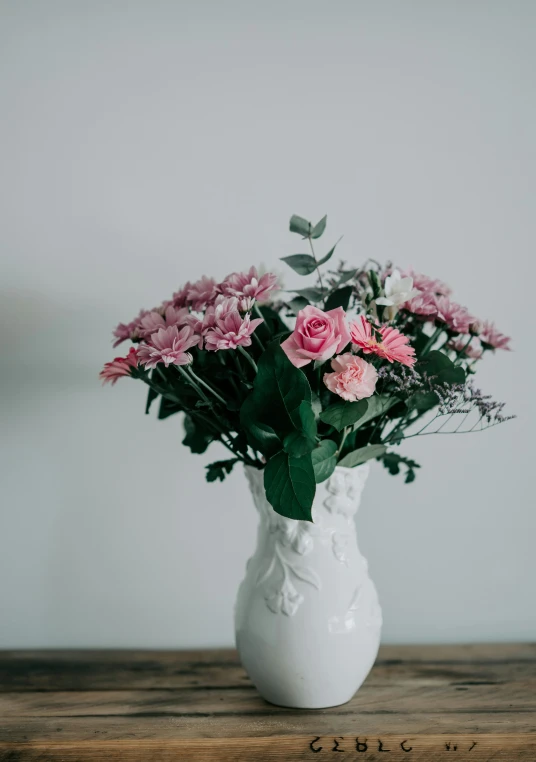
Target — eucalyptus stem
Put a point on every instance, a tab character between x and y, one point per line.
316	262
248	357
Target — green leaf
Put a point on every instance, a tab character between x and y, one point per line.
375	283
440	366
312	294
392	462
220	469
151	396
422	401
378	404
298	444
168	407
197	438
273	408
290	485
300	225
328	255
339	298
298	303
260	435
324	460
357	457
345	276
343	414
319	228
303	264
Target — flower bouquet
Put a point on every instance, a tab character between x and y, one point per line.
304	387
337	373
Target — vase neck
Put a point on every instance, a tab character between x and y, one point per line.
340	494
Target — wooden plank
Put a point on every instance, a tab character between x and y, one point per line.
461	702
410	749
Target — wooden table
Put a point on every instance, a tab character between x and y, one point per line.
419	704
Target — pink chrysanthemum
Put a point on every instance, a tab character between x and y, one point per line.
490	335
130	330
249	285
473	350
456	317
153	321
424	305
231	332
428	285
180	297
119	367
392	345
168	346
203	292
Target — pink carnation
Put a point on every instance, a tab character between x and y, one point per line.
168	346
490	335
152	321
249	285
390	344
456	317
231	331
203	292
317	336
428	285
119	367
353	379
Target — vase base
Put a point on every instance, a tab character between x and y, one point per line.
309	705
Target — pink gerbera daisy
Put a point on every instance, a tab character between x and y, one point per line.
119	367
389	342
168	346
231	331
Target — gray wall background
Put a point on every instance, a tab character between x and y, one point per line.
146	143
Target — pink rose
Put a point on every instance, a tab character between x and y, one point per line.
318	336
354	378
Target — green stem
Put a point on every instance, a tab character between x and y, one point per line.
248	357
203	383
259	342
344	435
190	380
459	355
432	340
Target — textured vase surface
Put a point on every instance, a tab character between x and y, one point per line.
307	616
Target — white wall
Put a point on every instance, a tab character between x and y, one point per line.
146	143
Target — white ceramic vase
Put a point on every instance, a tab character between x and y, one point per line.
307	616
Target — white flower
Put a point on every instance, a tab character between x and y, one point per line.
397	290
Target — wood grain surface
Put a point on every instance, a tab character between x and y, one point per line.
419	704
